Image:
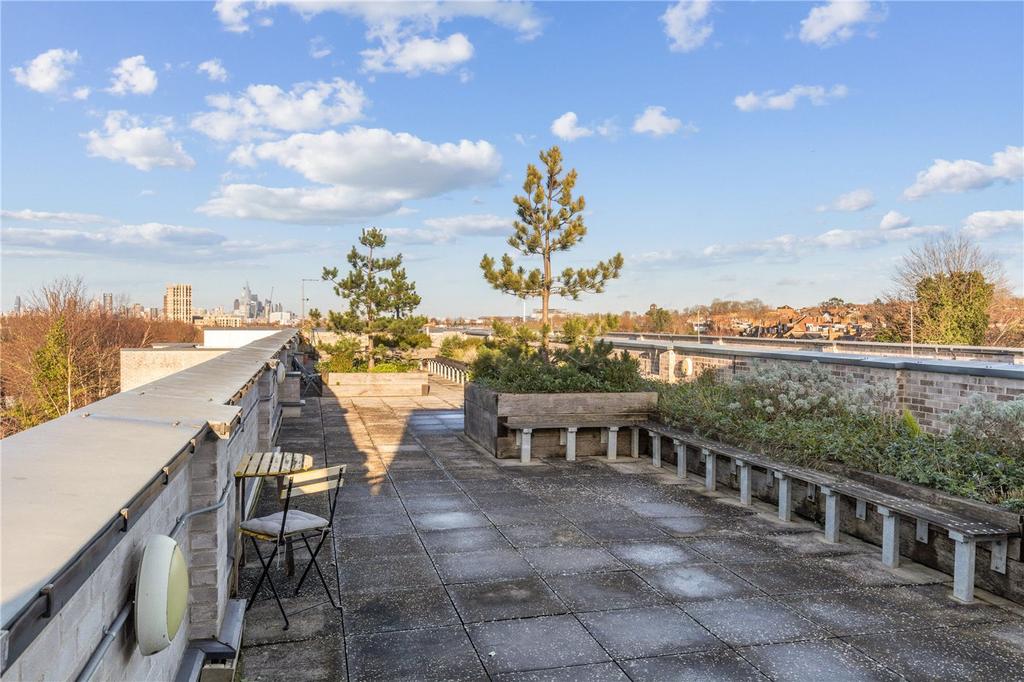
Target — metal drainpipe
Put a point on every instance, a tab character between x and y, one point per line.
111	633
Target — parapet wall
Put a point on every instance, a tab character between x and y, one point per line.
83	493
929	388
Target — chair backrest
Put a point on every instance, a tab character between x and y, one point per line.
328	479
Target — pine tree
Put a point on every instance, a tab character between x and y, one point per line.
380	297
549	220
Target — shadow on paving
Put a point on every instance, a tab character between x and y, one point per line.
454	566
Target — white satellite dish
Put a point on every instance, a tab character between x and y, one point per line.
161	594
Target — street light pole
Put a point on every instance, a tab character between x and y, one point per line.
304	280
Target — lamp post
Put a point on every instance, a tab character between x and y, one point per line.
304	280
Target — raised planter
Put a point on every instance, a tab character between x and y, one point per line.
366	384
487	411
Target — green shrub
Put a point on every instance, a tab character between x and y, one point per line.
797	415
461	348
593	369
347	356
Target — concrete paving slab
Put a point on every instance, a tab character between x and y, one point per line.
387	574
603	591
471	567
430	654
649	555
565	560
375	547
595	672
534	643
617	531
547	536
788	577
448	520
528	516
424	607
651	631
699	582
504	600
745	622
375	524
720	665
459	540
439	503
318	659
828	659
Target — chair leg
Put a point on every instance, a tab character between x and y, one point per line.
316	565
270	581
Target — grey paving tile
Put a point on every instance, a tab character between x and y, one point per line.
470	567
384	575
264	625
868	571
545	516
369	547
543	536
430	654
595	672
376	524
654	554
650	631
720	665
664	509
788	577
963	653
447	520
603	591
699	582
439	503
829	659
503	500
420	488
618	531
562	560
368	612
458	540
522	598
319	660
745	622
534	643
735	548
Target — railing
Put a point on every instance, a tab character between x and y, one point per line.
452	370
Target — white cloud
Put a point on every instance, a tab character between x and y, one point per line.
131	75
214	70
368	172
954	177
566	127
983	224
894	220
770	99
124	138
404	33
687	25
48	71
835	22
790	247
655	122
29	215
319	48
447	230
81	93
260	110
855	200
417	55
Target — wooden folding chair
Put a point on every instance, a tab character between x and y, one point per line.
295	524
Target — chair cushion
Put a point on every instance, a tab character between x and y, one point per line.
298	522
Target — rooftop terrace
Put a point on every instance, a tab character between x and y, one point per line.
457	566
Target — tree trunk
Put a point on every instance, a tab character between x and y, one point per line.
369	360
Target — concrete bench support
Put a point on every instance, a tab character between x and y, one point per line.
613	443
680	448
862	510
710	471
744	481
831	515
890	537
998	549
634	442
785	503
570	444
922	531
655	448
963	567
524	445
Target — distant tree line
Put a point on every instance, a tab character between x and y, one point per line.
61	355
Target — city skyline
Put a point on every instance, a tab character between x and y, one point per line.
786	151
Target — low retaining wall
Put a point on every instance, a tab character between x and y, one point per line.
486	410
366	384
930	389
937	553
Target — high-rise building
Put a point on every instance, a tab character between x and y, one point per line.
178	302
17	305
108	303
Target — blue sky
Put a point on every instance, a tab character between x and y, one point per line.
786	151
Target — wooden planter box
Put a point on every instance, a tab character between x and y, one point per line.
365	384
487	411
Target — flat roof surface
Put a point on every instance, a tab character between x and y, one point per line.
63	481
454	565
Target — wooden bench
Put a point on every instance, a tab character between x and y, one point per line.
965	530
524	426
